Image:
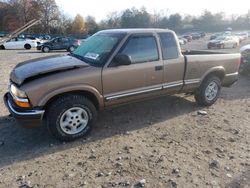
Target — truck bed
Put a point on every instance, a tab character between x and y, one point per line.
198	64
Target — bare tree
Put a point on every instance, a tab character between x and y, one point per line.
49	14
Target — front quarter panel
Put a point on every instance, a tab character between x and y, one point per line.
41	90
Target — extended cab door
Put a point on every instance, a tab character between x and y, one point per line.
139	79
173	62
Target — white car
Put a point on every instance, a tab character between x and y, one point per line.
19	43
182	41
242	35
223	42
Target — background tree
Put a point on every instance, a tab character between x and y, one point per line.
78	25
49	14
15	13
175	22
91	25
134	18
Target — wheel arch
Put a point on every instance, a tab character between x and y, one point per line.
215	71
92	94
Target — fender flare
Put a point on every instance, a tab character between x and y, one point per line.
218	70
69	89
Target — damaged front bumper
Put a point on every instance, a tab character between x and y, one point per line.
26	117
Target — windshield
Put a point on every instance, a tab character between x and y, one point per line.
220	38
97	49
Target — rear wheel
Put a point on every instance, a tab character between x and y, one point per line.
209	91
27	46
46	49
70	117
2	47
71	48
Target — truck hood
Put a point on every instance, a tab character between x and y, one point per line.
43	66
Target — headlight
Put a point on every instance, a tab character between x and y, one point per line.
17	92
19	97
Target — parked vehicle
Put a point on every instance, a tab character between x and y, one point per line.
223	42
245	63
59	43
37	40
243	36
188	37
202	34
182	41
111	68
214	36
196	36
227	33
2	35
45	37
19	43
237	39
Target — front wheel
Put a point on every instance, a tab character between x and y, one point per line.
222	46
209	91
45	49
70	117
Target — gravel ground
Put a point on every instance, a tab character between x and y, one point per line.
163	142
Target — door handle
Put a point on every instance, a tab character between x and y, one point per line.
158	68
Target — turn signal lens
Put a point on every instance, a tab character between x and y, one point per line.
22	104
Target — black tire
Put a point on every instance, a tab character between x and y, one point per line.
2	47
45	49
57	109
209	47
200	93
27	46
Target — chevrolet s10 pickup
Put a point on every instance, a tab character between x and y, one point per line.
110	68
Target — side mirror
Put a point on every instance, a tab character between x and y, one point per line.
122	59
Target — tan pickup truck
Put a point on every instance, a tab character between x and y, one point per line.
113	67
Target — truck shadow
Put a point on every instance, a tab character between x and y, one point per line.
241	90
20	144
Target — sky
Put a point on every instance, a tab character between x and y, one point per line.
100	9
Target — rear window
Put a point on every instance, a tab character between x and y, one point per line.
169	46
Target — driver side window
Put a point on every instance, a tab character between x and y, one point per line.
141	49
55	41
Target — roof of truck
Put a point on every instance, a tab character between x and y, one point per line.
136	30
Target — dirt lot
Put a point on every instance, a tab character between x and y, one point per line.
163	142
